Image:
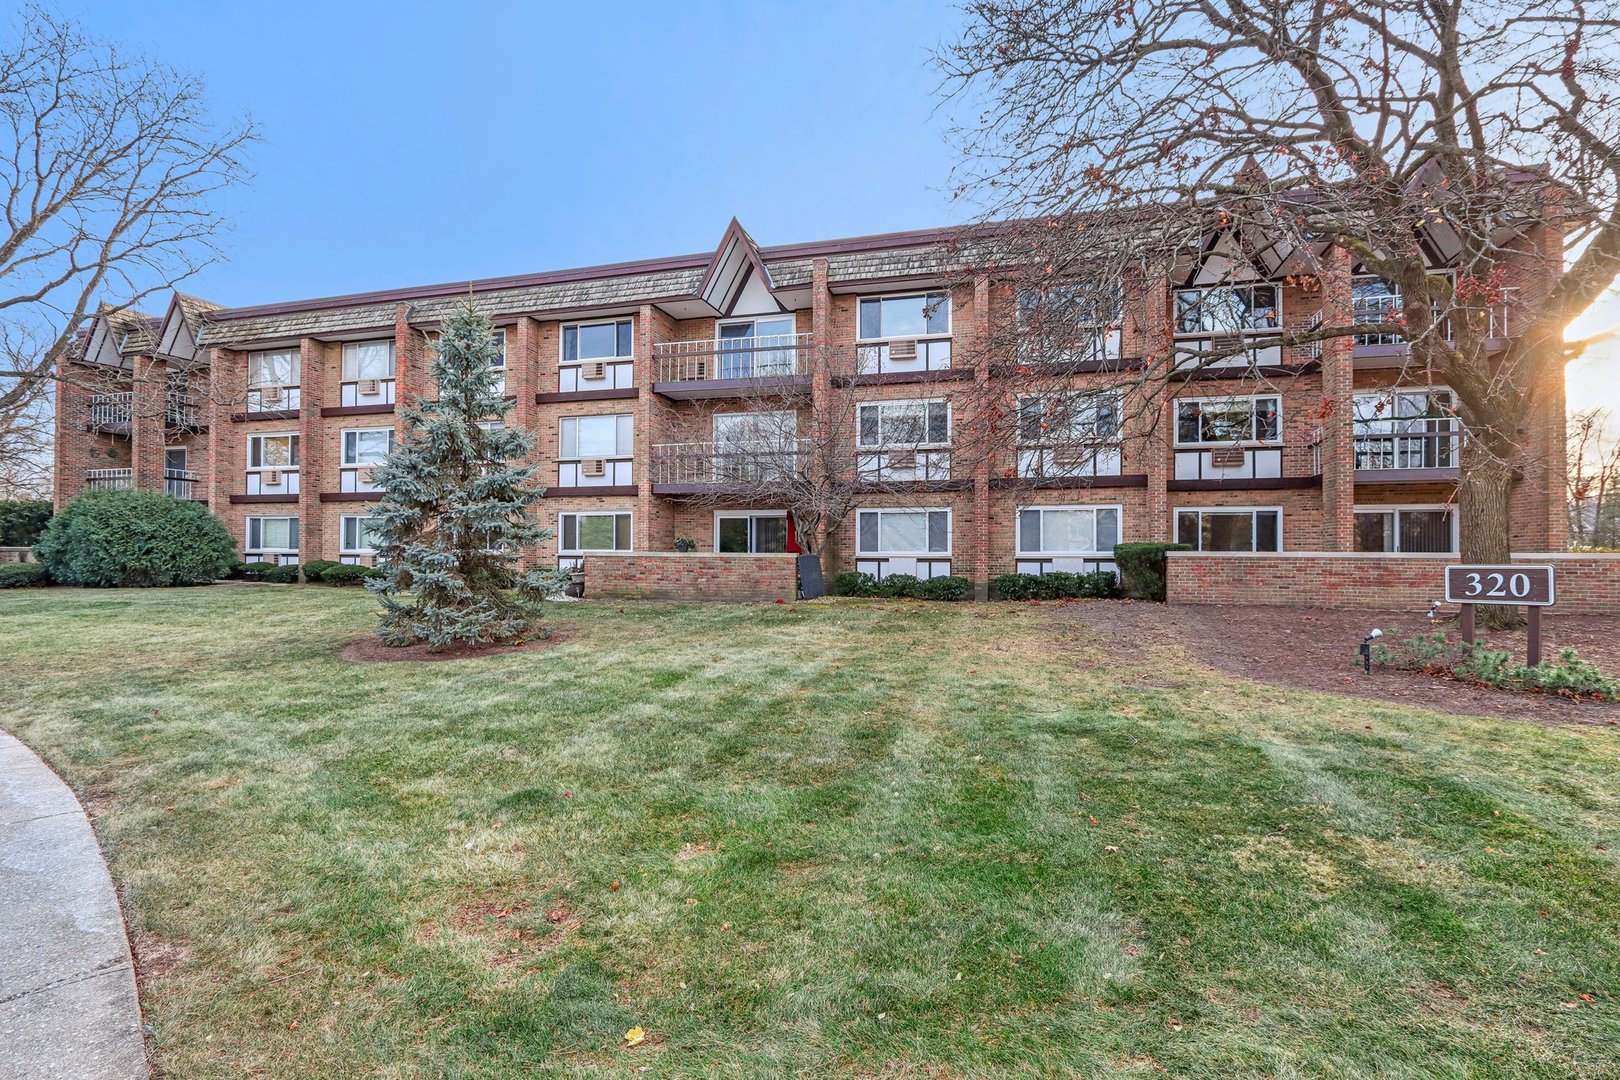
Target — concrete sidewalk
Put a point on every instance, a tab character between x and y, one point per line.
67	984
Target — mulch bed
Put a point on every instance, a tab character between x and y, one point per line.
1316	649
371	651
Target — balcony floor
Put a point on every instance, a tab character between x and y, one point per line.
702	389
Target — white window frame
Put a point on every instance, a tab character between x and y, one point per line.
885	443
257	440
950	531
1252	399
751	516
562	335
1396	509
1111	397
1230	286
629	515
393	360
297	367
1175	524
619	452
499	335
354	463
343	535
280	553
921	294
1027	553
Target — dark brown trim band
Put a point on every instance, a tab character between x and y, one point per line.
585	492
623	393
1274	371
356	410
1271	483
264	498
279	414
351	496
895	378
1035	483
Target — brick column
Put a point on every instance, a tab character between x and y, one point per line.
227	446
411	380
1338	437
1152	414
1545	462
146	423
317	448
978	348
654	526
523	371
823	360
73	443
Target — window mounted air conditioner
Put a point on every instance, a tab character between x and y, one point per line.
903	349
369	387
1228	457
270	395
902	460
593	467
271	477
593	370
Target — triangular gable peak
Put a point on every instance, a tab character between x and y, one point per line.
1250	250
737	281
106	334
177	334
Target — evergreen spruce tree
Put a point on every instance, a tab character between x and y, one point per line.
453	520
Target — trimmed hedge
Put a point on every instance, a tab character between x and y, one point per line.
1056	585
23	575
949	587
315	569
854	583
134	539
1142	568
346	574
22	520
907	586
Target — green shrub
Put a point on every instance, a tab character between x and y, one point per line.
22	520
1011	586
854	583
280	575
1055	585
1569	674
315	569
1142	568
949	587
900	585
1102	584
251	571
134	539
23	575
345	574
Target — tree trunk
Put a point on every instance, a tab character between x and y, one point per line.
1485	493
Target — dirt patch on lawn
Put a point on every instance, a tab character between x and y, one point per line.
371	651
1316	649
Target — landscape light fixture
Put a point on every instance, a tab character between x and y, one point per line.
1366	650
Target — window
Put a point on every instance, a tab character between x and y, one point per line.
1413	529
905	316
368	360
498	361
597	341
1077	417
1228	420
751	533
1068	530
597	436
1406	429
903	532
1228	309
359	535
272	451
273	367
368	446
903	423
1238	529
577	533
1069	322
757	348
272	536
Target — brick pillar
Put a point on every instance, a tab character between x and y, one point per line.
73	442
317	451
523	371
823	401
1547	466
1150	419
227	446
146	423
648	530
978	348
1334	417
411	380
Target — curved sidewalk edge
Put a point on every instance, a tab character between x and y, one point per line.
67	984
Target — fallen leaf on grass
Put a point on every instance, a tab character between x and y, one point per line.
634	1037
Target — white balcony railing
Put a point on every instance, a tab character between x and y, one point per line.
1395	451
1389	308
773	356
727	462
179	482
112	410
109	479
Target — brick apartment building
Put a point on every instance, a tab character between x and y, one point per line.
272	415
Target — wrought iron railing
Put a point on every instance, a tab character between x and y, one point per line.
727	462
772	356
179	482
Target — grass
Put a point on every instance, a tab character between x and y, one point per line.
864	839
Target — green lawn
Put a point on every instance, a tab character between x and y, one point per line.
887	839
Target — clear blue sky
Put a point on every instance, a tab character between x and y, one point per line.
409	143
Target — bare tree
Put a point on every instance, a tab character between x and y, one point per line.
1450	150
1593	481
109	168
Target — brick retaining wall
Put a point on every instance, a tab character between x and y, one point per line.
1586	584
673	575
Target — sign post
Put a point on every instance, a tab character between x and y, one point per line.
1511	586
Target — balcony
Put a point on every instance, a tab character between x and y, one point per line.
1407	457
688	370
115	412
181	483
1388	308
708	467
109	479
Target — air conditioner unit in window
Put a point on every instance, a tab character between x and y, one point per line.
369	387
368	475
1228	457
1228	342
1070	457
269	395
902	460
903	349
593	467
593	370
271	477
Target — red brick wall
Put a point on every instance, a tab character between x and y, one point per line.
669	575
1586	584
